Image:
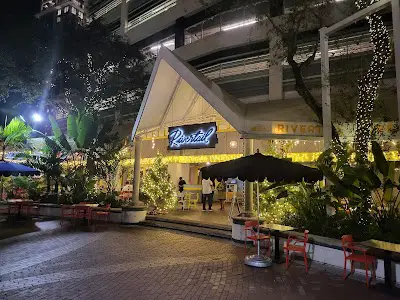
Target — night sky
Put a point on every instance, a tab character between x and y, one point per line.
17	13
19	9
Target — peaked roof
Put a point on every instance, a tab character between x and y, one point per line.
178	94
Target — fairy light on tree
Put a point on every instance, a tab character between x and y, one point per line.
369	84
157	185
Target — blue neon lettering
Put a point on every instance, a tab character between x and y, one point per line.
177	137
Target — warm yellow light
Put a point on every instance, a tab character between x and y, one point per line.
186	159
300	157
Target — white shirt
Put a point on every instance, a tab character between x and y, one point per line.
127	188
206	186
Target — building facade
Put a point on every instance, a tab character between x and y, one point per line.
238	52
55	10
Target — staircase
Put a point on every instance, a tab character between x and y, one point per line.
211	230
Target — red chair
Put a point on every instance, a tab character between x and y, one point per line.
67	211
31	209
350	250
105	212
252	235
297	245
84	211
10	210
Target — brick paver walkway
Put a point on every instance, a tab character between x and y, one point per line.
141	263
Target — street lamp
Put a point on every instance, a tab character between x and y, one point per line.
37	118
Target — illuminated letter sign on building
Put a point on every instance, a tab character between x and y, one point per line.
193	136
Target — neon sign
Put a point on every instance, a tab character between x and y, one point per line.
193	136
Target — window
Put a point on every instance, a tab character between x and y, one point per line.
66	9
58	19
59	12
80	14
73	10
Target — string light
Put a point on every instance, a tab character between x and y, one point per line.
368	85
157	185
300	157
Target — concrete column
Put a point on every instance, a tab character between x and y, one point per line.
326	89
136	171
396	41
180	32
124	17
275	68
248	197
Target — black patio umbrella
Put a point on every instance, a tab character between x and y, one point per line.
13	169
258	167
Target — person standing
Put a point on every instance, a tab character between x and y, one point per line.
127	191
207	189
221	192
181	183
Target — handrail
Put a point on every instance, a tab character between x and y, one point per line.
261	62
107	8
151	13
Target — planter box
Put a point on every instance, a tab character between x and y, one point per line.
50	210
133	215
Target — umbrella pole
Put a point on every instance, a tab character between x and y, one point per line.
258	260
1	188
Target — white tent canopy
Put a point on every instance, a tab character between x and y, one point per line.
177	94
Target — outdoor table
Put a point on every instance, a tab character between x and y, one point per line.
19	203
276	229
85	207
388	249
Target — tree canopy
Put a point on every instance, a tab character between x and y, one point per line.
70	67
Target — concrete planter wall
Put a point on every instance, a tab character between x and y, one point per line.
50	210
133	215
54	210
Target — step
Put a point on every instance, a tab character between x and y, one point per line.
224	234
161	218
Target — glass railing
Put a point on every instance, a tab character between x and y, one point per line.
159	9
107	8
225	21
347	46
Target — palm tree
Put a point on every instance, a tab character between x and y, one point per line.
14	135
49	162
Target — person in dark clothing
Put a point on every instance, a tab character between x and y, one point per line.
181	183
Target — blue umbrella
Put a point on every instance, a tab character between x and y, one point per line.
12	169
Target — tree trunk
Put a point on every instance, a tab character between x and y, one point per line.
56	189
1	187
48	184
369	84
310	100
3	151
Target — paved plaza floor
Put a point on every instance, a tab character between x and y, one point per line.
143	263
217	216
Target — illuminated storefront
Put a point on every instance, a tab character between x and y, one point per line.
192	122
